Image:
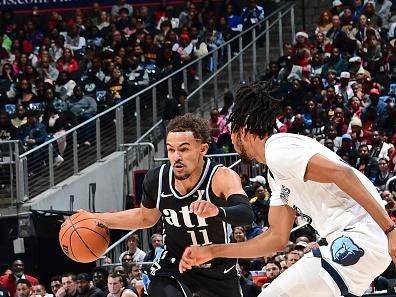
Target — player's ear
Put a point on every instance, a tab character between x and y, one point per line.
204	148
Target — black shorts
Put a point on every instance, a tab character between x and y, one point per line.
219	282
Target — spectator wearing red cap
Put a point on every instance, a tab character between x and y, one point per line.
184	48
377	107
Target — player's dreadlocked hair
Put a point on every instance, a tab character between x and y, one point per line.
255	109
190	123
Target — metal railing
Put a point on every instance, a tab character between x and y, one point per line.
9	168
137	118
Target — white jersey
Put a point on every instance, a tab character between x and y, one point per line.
330	208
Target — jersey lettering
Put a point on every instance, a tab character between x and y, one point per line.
172	219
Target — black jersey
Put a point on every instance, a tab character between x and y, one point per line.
180	227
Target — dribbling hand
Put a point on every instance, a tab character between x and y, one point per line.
204	209
194	256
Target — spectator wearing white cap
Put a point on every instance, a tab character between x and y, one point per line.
257	181
356	67
337	7
343	87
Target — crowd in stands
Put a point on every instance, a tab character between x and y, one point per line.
63	68
337	81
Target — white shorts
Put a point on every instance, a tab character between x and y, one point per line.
346	266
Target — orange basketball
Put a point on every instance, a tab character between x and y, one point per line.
84	238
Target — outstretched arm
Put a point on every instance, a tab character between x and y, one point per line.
281	219
137	218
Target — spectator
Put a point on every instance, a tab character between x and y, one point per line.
84	287
291	258
67	62
156	243
23	288
69	286
83	108
260	205
135	274
365	164
302	50
355	107
121	4
168	61
64	85
239	234
287	53
336	63
379	148
9	281
324	24
217	124
99	279
384	173
347	149
56	284
252	14
133	249
120	271
7	129
117	86
272	271
39	290
344	88
116	287
376	104
47	70
74	41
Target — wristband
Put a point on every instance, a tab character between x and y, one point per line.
390	229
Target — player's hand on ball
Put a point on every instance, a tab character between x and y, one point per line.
194	256
204	209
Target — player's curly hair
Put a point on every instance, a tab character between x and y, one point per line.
190	123
255	109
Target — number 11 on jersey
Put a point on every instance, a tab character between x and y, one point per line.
204	236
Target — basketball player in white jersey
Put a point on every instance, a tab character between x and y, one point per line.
306	177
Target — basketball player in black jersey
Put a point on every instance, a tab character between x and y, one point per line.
196	200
